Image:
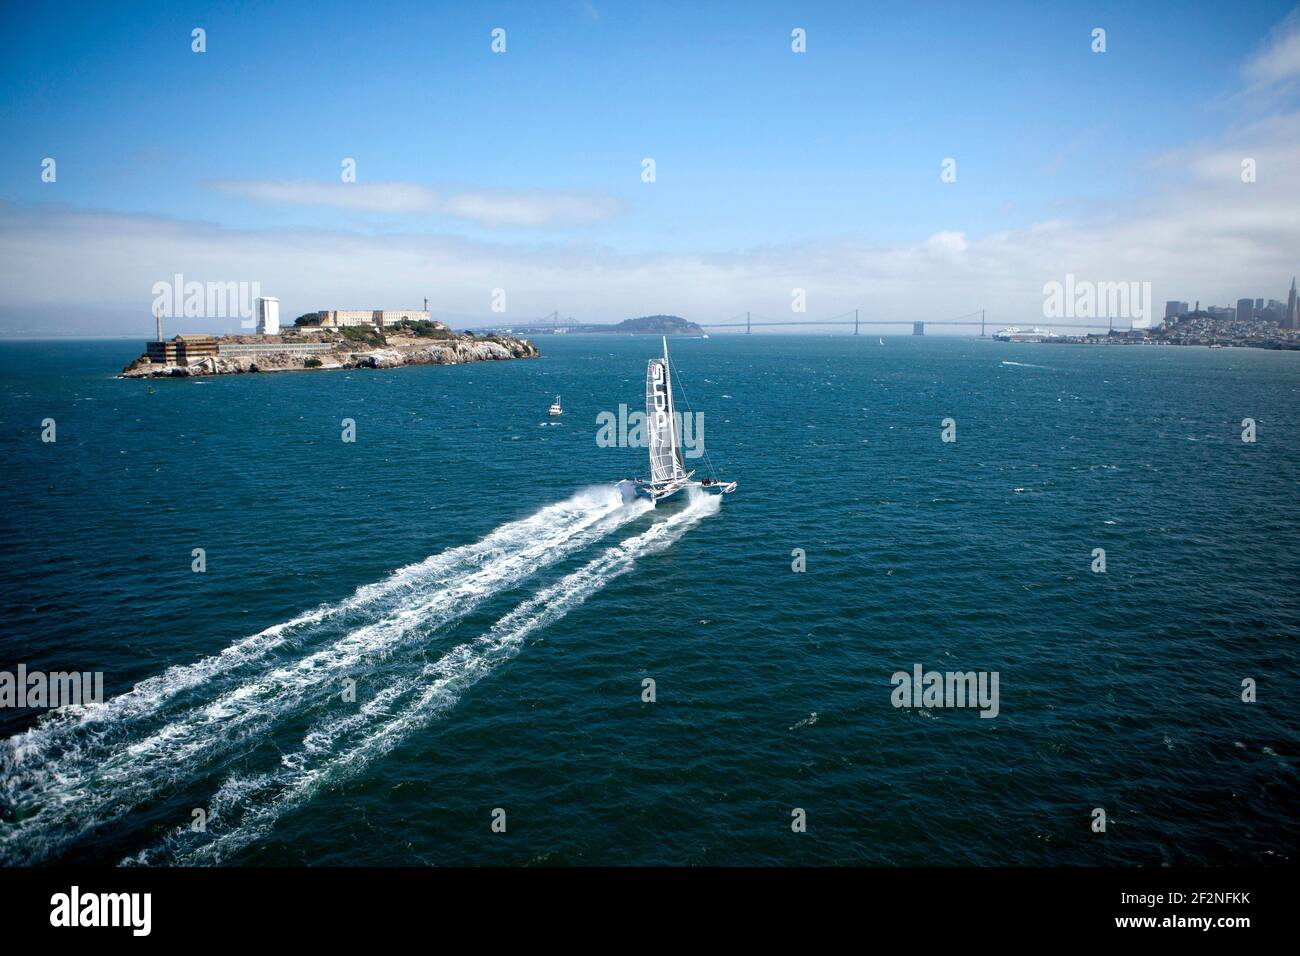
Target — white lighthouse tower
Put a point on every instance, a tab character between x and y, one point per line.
268	316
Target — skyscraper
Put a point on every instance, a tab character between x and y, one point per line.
1292	309
1245	309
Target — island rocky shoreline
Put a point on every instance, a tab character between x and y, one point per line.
239	354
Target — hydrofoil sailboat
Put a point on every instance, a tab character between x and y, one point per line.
668	474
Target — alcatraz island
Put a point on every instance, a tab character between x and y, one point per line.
334	339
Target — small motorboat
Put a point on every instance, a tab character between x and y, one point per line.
555	411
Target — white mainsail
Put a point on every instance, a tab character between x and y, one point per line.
666	463
668	474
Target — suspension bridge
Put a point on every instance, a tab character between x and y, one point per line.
750	320
977	319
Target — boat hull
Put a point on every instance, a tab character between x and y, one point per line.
644	489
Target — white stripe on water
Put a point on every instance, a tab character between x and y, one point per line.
63	781
336	750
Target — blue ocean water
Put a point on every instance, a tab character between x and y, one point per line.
464	569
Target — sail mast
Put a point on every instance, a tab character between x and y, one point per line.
679	468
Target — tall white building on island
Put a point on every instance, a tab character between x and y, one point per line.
268	316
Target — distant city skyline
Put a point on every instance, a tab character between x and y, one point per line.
1286	314
917	165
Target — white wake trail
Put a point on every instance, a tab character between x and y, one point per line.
335	751
150	695
86	782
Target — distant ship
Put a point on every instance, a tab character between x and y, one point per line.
1014	334
668	474
555	410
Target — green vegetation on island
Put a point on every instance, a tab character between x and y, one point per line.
364	335
424	329
656	324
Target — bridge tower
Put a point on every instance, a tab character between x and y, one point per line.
855	321
982	323
918	328
747	323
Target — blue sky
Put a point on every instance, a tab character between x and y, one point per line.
764	157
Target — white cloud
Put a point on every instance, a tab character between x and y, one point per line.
529	208
949	242
367	197
1277	63
535	208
